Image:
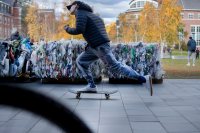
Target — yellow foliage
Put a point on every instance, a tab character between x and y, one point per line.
66	19
32	23
128	28
37	28
169	21
153	25
148	24
112	32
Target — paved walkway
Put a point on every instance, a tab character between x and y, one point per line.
174	108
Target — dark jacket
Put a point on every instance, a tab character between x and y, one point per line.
191	45
89	25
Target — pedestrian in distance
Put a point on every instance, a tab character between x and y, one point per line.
191	45
197	53
92	27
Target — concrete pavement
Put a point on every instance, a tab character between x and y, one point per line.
174	108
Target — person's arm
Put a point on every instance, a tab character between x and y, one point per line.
81	21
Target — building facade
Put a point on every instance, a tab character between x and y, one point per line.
191	18
190	15
48	19
10	17
136	6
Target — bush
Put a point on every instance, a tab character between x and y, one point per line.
176	46
183	46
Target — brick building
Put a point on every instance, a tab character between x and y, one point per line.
47	17
191	18
190	15
10	17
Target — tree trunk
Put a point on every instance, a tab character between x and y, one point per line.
179	47
162	47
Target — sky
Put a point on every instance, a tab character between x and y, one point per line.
108	9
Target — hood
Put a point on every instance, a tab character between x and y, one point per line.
82	6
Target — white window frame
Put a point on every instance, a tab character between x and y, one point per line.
138	4
189	15
134	5
141	3
182	15
196	33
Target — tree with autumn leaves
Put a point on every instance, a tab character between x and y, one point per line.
148	24
153	25
112	31
39	25
169	21
37	28
33	24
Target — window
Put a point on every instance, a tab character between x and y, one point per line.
138	4
1	34
198	16
8	32
1	19
195	32
7	9
0	7
198	35
4	8
8	21
5	20
191	15
10	10
142	3
182	15
134	5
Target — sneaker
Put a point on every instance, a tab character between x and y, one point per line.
188	64
148	84
88	89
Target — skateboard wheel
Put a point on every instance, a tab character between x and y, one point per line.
78	96
107	96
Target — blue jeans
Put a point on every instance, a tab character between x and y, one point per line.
103	52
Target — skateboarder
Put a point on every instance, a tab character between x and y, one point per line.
92	28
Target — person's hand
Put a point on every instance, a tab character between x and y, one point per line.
66	27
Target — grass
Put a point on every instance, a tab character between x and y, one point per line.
177	69
179	53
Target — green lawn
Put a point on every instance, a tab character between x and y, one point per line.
178	69
179	53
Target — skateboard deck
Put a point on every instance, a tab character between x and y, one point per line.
107	93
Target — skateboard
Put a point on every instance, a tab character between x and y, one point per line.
107	93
